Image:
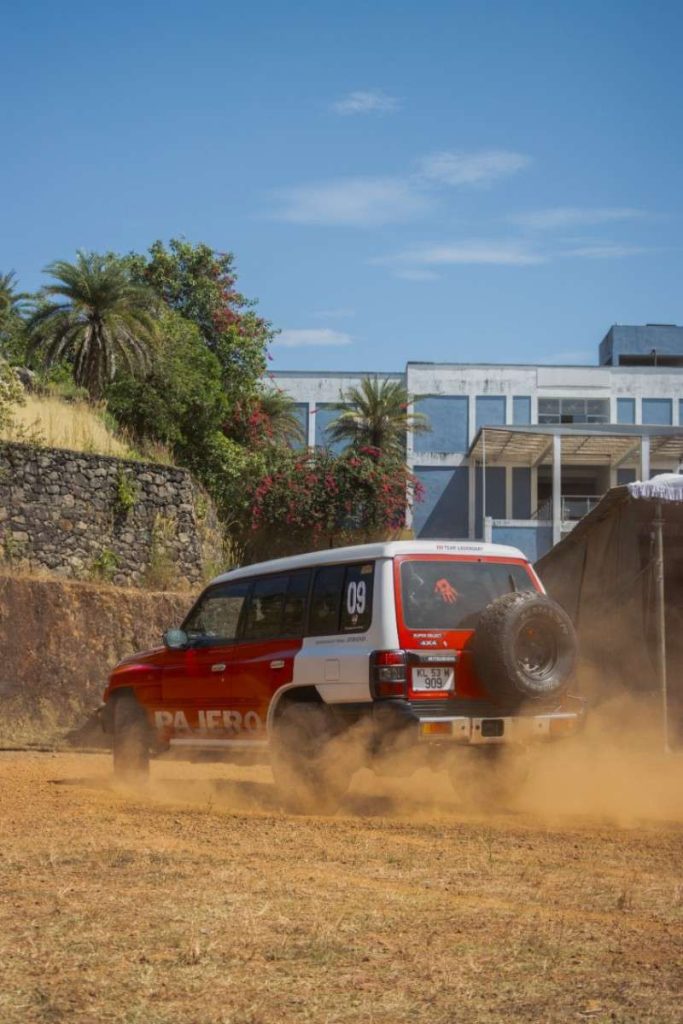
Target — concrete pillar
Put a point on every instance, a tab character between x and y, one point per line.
471	498
557	488
311	425
645	457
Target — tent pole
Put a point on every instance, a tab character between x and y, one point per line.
661	620
483	485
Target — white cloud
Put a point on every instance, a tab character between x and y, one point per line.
606	251
482	168
309	337
356	202
416	274
366	101
482	251
573	216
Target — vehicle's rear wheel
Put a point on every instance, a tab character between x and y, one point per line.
309	773
131	740
524	648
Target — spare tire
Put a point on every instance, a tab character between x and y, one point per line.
524	647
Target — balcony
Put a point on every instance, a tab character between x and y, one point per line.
572	507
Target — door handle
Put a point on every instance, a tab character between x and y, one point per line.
279	663
220	666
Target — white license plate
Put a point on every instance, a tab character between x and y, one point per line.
433	679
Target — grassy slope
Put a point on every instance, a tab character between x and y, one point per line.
59	424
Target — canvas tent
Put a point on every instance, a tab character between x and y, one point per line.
619	574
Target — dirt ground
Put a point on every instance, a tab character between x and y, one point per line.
199	901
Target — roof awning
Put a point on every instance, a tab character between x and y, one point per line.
594	445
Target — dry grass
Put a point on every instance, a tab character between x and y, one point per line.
199	902
59	424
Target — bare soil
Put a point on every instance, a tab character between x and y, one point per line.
197	901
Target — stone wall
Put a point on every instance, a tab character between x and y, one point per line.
96	517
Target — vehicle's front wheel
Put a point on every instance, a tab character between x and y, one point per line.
131	740
310	774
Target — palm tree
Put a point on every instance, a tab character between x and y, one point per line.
12	302
376	414
283	424
105	321
12	324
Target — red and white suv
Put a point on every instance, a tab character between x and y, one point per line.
429	645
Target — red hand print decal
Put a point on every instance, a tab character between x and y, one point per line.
446	592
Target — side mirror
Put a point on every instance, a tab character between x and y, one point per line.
176	639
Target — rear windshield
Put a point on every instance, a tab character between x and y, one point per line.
452	595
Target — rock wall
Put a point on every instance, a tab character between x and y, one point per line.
97	517
59	639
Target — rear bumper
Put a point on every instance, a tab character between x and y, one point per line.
508	729
477	728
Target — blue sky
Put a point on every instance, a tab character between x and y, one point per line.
440	181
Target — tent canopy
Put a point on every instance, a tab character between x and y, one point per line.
604	573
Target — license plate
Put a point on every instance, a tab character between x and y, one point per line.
433	679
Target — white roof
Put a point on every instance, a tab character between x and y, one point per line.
363	552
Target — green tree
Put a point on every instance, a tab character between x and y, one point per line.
315	499
199	283
11	393
375	415
13	306
179	400
103	322
268	418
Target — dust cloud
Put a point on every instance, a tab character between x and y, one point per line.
615	772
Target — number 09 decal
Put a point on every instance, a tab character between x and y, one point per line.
356	597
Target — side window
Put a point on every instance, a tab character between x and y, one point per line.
342	599
215	618
266	603
326	600
296	602
357	605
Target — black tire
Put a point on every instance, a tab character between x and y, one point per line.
308	776
131	740
524	648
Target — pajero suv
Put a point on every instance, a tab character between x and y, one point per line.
420	646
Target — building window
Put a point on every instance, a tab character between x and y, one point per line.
573	410
657	411
300	410
490	411
680	411
626	410
521	410
444	509
325	414
447	415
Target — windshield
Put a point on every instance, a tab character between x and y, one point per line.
453	594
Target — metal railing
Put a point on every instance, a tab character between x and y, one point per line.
572	507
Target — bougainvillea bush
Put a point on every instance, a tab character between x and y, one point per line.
314	499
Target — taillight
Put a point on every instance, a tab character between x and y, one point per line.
388	674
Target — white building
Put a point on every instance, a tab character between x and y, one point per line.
518	453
